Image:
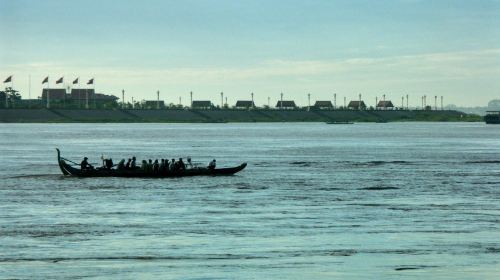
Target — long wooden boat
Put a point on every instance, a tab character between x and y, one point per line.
69	170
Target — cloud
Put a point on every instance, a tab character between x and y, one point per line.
449	73
468	63
454	65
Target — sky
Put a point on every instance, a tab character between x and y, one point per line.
318	47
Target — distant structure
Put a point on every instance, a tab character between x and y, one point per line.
323	105
244	104
385	104
76	94
202	104
356	105
105	97
153	104
286	104
59	94
78	98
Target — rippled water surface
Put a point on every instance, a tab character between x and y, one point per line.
317	201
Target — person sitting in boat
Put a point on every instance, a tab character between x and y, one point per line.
150	166
171	166
84	165
133	165
161	168
212	165
127	165
156	166
144	165
189	163
108	163
121	164
167	165
181	166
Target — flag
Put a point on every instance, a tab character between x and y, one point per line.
46	80
59	81
90	82
8	80
75	81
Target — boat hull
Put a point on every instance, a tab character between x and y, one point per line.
492	119
340	122
69	170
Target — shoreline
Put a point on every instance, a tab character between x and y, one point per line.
228	116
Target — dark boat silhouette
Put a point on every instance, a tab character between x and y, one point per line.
340	122
69	170
492	117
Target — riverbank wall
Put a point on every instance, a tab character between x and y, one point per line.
228	115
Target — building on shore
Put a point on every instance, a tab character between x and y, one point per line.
356	105
385	105
323	105
202	104
286	104
77	99
153	104
244	104
57	94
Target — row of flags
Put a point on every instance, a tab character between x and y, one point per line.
59	81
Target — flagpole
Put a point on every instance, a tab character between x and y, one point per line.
79	91
48	93
7	96
65	93
93	85
86	99
29	90
12	88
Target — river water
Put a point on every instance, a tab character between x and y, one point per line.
317	201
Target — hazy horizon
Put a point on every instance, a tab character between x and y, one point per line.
433	48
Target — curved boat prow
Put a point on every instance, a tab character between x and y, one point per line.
230	170
242	166
60	162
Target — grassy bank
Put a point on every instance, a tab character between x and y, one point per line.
211	116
